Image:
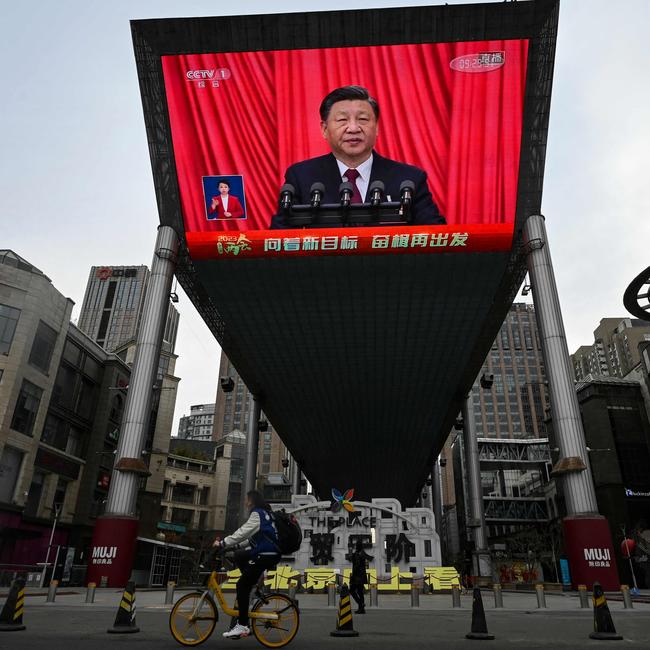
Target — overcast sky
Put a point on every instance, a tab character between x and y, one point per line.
75	178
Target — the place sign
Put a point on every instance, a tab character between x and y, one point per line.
352	519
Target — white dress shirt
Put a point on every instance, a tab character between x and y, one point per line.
363	180
224	202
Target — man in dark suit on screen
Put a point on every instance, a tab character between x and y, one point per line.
350	124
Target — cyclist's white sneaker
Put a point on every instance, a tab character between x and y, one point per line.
237	632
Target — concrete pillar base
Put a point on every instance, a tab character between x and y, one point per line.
589	549
112	550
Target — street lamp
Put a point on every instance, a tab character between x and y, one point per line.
57	511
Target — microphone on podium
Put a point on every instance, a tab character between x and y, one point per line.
406	191
286	196
317	190
376	192
345	192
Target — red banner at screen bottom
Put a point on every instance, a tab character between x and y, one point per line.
469	238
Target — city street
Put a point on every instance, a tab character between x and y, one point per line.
70	624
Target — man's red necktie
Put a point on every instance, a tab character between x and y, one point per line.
352	175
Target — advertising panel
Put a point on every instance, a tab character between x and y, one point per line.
264	143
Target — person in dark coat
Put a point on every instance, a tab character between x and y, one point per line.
359	577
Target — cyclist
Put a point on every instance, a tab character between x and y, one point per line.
262	553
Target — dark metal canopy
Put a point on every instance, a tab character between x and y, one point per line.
361	362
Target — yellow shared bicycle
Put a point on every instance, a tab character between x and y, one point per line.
274	617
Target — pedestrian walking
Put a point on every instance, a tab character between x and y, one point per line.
359	577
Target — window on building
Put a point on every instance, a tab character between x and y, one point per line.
29	400
103	326
182	516
64	387
86	399
76	443
59	493
34	495
204	494
117	407
93	369
203	518
42	347
11	461
183	493
427	548
72	353
8	321
110	295
55	431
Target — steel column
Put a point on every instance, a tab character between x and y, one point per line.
578	486
252	447
295	478
123	491
437	496
482	563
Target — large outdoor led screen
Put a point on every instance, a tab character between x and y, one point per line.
239	120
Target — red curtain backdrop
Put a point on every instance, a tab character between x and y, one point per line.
464	128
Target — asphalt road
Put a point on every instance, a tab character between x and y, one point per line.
67	628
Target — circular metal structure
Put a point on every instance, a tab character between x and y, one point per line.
637	296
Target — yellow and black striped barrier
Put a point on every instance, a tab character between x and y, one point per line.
11	618
125	619
344	625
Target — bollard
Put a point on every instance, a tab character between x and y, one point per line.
415	595
51	592
627	596
169	596
90	593
584	596
455	596
498	596
374	595
293	590
331	594
541	596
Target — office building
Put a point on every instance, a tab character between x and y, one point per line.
513	445
61	402
113	303
199	424
231	414
617	433
111	314
615	350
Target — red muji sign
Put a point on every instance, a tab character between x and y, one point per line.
589	549
112	551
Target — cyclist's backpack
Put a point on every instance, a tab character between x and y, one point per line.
289	532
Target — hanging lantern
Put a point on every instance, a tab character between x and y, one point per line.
627	547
